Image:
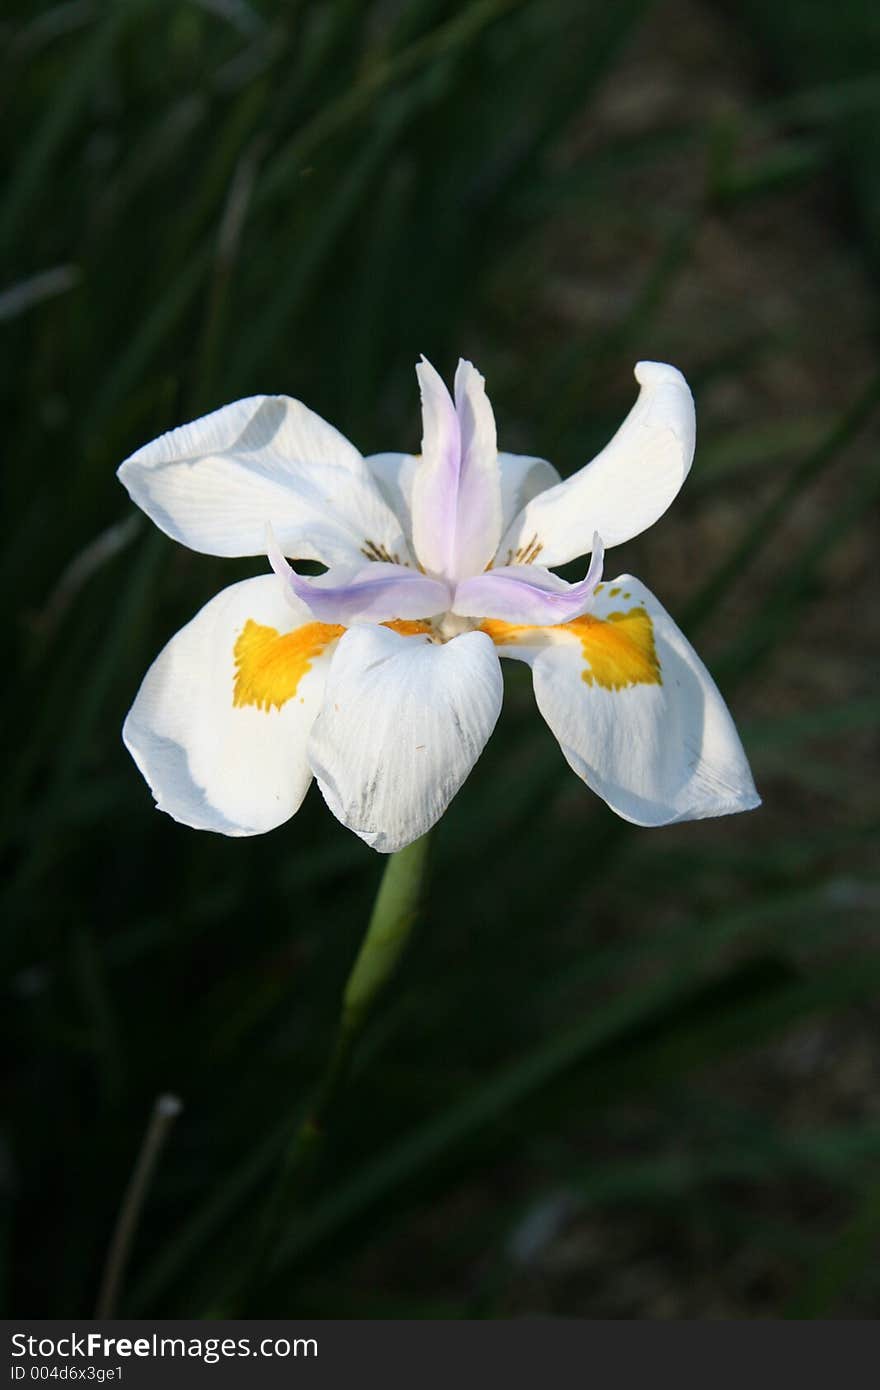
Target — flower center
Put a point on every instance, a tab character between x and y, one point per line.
451	625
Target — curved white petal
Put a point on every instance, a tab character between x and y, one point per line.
212	764
402	724
522	478
625	488
215	483
656	752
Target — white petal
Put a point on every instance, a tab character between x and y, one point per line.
625	488
522	478
657	753
395	473
402	724
214	484
212	764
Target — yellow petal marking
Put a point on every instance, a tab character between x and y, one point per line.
618	650
269	664
408	627
505	634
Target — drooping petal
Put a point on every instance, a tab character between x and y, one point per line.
528	594
214	484
522	478
402	724
625	488
220	725
635	711
456	491
371	592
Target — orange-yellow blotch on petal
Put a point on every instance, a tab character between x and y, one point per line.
408	627
269	664
618	650
506	634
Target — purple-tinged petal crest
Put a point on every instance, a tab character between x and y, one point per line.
528	594
375	592
457	513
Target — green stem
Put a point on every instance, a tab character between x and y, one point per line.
394	912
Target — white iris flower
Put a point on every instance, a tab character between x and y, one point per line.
381	678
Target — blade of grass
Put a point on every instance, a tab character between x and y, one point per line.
30	174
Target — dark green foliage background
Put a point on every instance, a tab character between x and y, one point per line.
302	198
